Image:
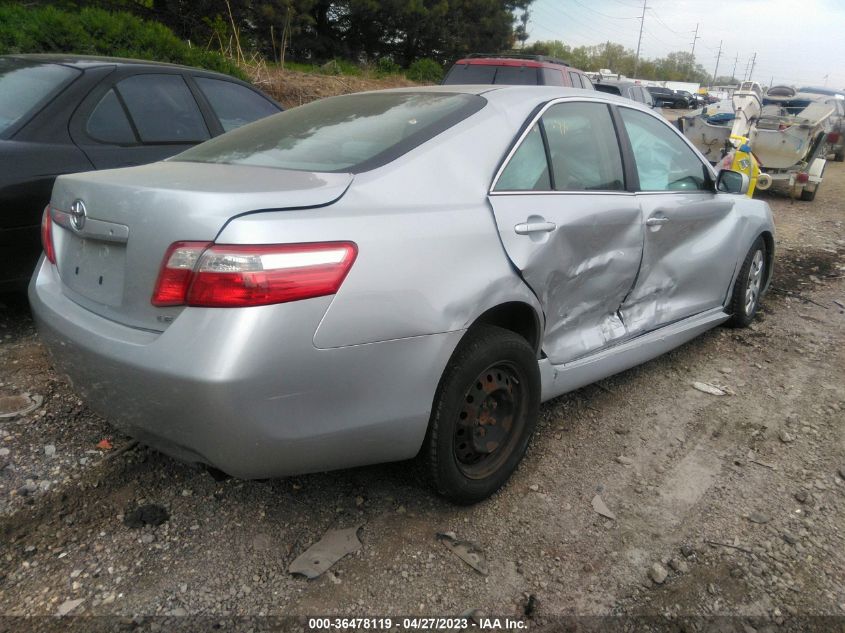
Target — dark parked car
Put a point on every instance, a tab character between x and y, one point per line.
66	114
689	99
519	70
666	98
627	89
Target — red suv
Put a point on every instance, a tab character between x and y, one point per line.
521	70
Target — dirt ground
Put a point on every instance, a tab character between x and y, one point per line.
292	88
739	499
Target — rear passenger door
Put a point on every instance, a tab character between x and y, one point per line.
570	227
138	119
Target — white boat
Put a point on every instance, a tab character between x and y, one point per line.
710	129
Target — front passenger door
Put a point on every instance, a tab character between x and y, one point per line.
690	247
570	227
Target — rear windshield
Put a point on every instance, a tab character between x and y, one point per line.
468	74
352	133
614	90
26	86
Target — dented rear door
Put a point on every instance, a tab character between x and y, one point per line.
573	232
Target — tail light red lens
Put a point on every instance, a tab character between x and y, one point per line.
803	177
176	272
47	235
227	276
833	137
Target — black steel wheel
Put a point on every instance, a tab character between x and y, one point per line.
484	414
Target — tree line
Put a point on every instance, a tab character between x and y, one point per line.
400	31
676	66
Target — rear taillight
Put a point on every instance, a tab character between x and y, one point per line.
833	137
227	276
176	272
803	177
47	235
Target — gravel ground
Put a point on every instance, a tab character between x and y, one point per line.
724	505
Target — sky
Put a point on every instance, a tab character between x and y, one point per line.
798	42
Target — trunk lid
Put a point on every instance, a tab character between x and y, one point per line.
110	264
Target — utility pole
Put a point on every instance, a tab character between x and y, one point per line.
639	40
736	61
753	63
695	38
718	57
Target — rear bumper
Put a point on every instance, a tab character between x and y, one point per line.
245	390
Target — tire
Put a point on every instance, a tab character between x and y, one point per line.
839	156
809	196
483	415
743	306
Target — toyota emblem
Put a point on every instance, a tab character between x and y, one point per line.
78	214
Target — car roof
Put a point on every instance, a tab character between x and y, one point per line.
93	61
505	94
529	61
618	82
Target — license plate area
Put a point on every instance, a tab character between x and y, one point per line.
94	268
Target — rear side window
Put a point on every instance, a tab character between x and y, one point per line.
108	122
163	109
552	77
664	161
575	79
352	133
528	169
234	105
583	148
25	87
588	84
580	141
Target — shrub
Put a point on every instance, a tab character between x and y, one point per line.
386	66
425	71
98	32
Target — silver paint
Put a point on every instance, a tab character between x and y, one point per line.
346	380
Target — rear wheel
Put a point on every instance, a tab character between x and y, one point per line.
484	414
748	286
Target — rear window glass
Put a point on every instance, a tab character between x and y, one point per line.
25	87
471	74
613	90
493	74
352	133
516	76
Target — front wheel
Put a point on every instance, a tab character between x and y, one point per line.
484	414
748	286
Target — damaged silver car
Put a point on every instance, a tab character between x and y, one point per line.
383	275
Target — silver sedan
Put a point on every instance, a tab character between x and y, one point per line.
378	276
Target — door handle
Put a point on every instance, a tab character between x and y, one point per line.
656	221
526	228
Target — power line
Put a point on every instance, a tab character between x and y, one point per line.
612	17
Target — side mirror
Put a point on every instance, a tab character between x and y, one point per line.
729	181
